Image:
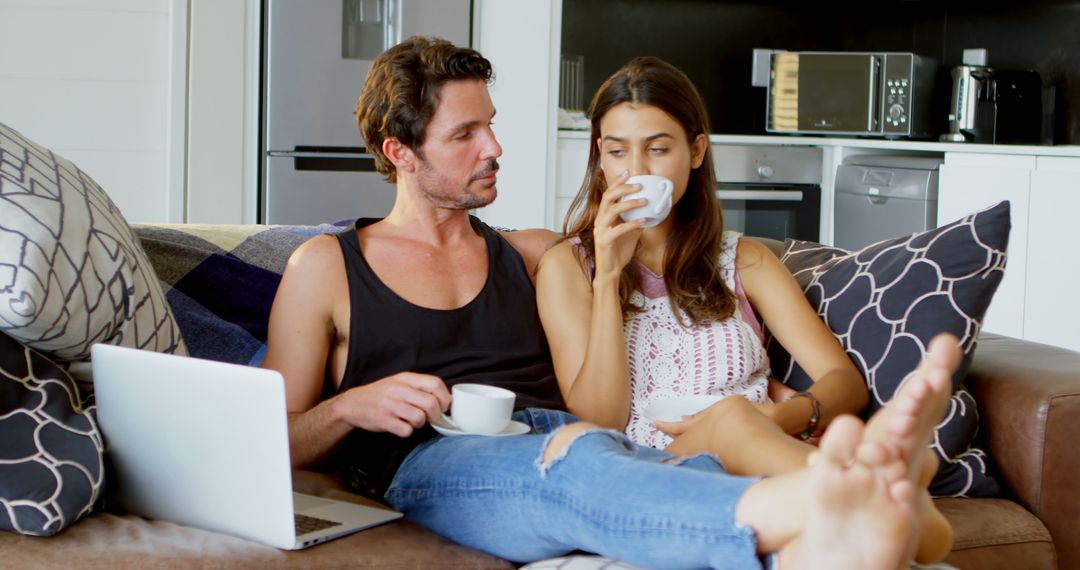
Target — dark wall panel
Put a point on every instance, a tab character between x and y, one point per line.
1044	36
712	41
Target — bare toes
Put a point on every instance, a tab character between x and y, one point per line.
902	491
839	444
874	454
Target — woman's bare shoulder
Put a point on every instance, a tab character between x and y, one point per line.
561	256
531	244
750	253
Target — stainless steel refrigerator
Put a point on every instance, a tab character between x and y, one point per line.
316	54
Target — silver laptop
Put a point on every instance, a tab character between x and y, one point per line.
206	444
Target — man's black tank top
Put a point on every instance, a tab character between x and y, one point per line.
494	339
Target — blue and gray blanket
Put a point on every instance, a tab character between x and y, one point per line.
221	279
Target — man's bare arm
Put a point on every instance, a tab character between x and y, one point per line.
398	404
311	303
531	244
299	338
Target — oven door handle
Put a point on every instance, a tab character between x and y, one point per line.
769	195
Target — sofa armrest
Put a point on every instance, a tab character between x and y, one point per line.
1029	399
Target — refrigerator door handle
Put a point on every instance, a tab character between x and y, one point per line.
327	161
392	25
315	154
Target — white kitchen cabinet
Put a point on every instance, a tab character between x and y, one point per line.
1052	308
572	156
970	182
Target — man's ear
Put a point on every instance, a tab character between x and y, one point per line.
401	156
697	150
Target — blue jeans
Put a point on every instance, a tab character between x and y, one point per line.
603	494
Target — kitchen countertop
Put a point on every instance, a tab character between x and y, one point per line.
890	144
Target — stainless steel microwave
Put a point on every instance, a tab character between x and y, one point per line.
850	93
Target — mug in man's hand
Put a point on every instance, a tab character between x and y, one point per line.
481	409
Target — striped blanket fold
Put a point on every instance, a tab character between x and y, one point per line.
220	281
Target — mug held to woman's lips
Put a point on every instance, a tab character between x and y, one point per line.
657	191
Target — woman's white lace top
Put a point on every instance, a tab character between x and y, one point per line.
667	360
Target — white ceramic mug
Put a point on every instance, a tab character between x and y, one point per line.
657	190
480	409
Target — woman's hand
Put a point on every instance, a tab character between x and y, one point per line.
686	423
778	391
774	409
679	427
615	239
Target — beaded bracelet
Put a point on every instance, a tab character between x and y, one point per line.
815	414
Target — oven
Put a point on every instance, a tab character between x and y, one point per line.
770	191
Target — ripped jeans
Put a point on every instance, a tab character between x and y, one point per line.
602	494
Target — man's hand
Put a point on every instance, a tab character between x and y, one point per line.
398	404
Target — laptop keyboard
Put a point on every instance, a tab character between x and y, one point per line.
306	524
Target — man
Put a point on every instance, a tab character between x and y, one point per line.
371	327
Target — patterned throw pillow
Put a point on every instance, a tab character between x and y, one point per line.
50	449
885	302
71	271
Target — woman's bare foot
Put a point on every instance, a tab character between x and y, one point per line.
861	512
907	421
866	487
935	531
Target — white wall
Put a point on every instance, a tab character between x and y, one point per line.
101	82
222	113
108	85
522	39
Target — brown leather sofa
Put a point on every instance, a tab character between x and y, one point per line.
1029	403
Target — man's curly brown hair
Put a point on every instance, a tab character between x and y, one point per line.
401	92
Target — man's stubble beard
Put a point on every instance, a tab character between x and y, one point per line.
433	185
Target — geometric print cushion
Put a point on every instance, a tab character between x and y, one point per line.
71	271
51	467
886	301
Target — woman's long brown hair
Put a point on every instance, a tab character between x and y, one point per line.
692	271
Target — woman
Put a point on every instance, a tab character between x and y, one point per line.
636	315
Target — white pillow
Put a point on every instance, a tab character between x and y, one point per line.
72	272
579	562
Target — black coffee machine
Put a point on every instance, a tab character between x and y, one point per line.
992	105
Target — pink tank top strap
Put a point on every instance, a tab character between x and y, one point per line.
748	313
580	249
728	258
